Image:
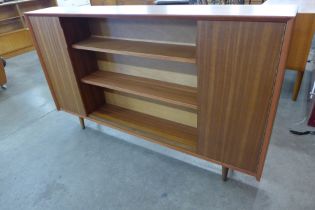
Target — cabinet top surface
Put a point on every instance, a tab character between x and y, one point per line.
211	12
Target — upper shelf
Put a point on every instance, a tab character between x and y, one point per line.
171	52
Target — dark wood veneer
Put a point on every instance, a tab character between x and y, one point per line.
234	93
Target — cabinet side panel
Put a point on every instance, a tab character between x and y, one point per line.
237	68
52	48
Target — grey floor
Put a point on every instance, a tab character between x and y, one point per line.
48	162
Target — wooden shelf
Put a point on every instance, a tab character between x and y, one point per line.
159	130
15	2
163	91
171	52
10	18
8	27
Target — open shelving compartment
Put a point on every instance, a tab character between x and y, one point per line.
144	49
9	19
10	25
12	14
147	77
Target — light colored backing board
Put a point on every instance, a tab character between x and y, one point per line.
182	32
169	31
152	108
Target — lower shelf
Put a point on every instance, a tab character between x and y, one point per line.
162	131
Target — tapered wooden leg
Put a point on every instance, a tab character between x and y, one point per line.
82	122
297	85
225	172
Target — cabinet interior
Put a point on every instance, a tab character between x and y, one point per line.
141	75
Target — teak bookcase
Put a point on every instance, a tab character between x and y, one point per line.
192	78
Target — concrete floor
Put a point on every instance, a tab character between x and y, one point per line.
48	162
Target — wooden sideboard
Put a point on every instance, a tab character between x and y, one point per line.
192	78
14	34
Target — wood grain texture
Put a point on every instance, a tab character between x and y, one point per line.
43	64
83	62
159	138
160	51
235	91
148	88
157	129
52	47
149	138
3	77
237	95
